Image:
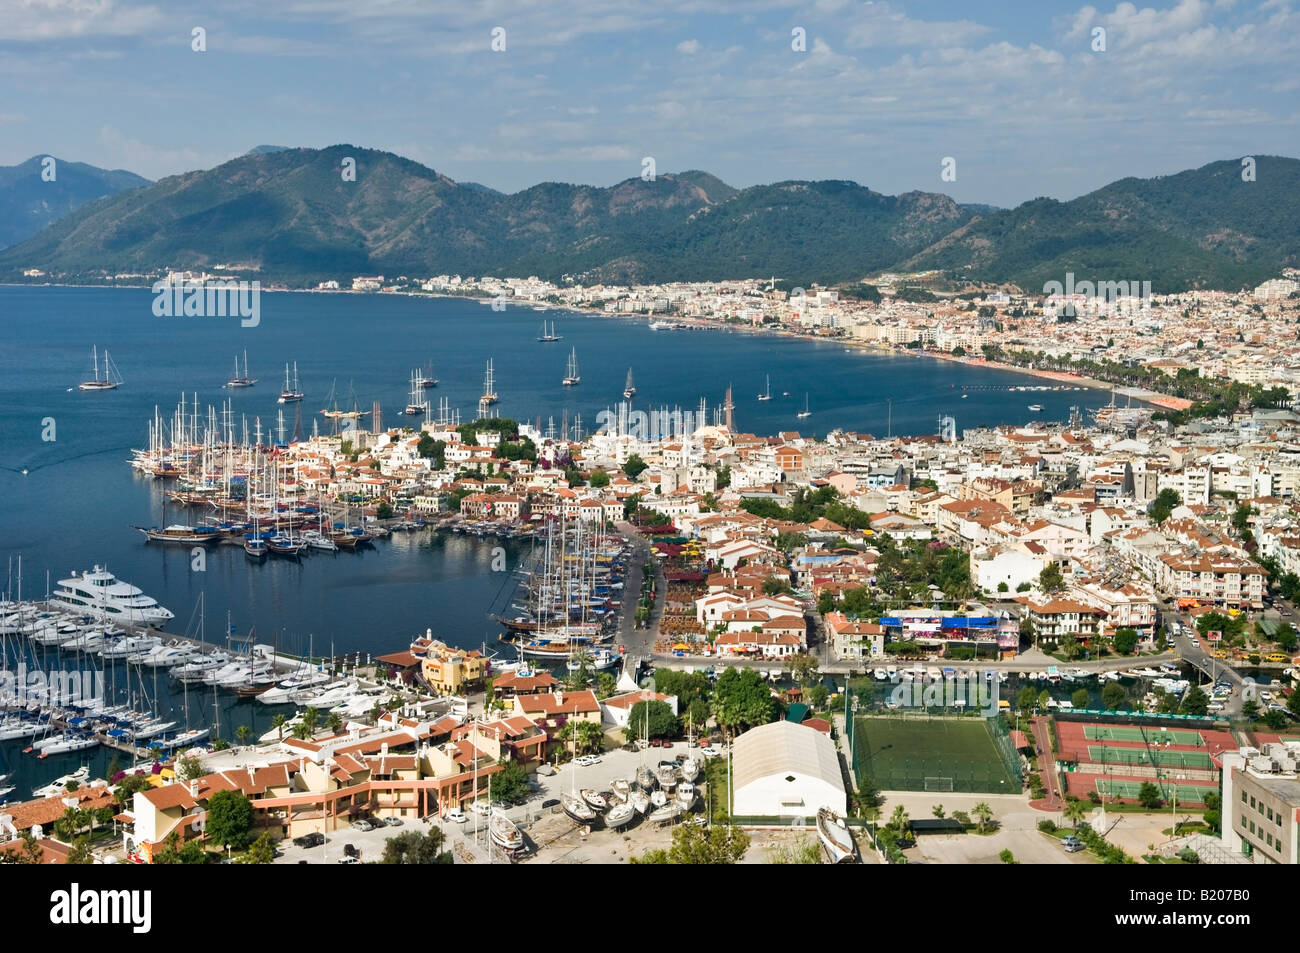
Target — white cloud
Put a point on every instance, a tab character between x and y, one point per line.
689	47
44	20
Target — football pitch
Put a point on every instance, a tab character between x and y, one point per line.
934	754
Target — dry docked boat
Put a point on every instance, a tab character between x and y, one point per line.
504	832
835	836
594	798
619	816
577	809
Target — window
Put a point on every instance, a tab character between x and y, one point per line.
1270	814
1243	797
1252	800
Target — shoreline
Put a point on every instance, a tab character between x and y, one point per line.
1154	398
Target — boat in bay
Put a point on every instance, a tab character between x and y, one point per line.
241	379
292	391
571	376
548	335
108	380
629	389
181	534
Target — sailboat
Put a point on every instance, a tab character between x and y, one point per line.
489	386
427	379
571	377
241	380
546	335
629	389
834	835
291	392
805	412
108	381
417	405
767	390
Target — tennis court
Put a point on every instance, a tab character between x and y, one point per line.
1164	757
916	753
1129	789
1177	736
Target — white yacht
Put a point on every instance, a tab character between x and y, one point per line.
100	594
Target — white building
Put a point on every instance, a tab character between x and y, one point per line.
785	770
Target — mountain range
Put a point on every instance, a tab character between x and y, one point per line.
289	215
36	193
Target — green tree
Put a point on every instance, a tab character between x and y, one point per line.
1149	796
278	724
1285	637
261	851
334	723
1007	857
802	668
1125	641
127	788
899	822
1274	720
1050	579
413	847
599	479
80	852
1164	503
243	733
983	814
937	811
741	700
692	844
1079	698
653	718
634	466
1074	812
1195	701
189	768
510	784
1113	696
1026	699
30	852
230	819
384	510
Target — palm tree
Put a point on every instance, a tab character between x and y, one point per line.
242	733
983	814
278	724
899	820
1074	813
311	718
334	722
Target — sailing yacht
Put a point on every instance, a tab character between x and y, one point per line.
767	390
805	412
241	380
550	335
489	386
428	380
571	377
417	405
291	392
108	381
629	389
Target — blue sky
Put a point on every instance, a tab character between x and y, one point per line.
585	89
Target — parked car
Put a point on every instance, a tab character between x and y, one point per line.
481	807
551	802
364	825
349	860
393	821
1071	844
456	815
349	850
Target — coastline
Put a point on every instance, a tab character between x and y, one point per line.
1162	401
